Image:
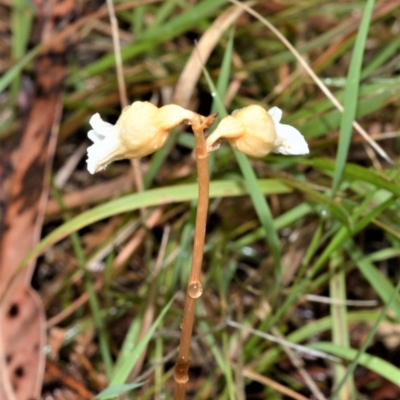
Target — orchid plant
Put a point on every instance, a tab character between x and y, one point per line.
143	128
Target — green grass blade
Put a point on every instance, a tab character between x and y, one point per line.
351	96
219	93
98	321
376	364
381	284
157	160
289	217
113	391
127	348
321	123
93	300
384	369
344	234
257	197
21	22
122	372
223	78
386	53
330	205
313	329
138	20
353	171
340	331
163	12
150	198
263	212
215	349
13	72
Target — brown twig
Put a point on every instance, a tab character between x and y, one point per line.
194	288
248	373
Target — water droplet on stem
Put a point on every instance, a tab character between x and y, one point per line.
195	290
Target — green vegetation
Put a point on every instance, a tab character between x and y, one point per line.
279	229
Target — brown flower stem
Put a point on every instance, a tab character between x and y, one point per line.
194	289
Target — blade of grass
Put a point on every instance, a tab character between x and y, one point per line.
183	261
13	72
311	330
318	123
222	85
383	254
159	371
157	160
93	300
113	391
121	373
138	15
231	387
257	197
150	198
344	233
127	348
381	367
334	207
351	96
386	53
164	11
285	219
263	212
21	22
382	286
340	332
96	312
218	354
320	107
223	78
353	171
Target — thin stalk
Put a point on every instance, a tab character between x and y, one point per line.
340	335
137	175
117	52
194	288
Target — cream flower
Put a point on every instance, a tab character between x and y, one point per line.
256	132
141	129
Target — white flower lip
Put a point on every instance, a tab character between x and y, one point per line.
106	144
289	140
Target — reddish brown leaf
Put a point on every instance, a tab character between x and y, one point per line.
25	192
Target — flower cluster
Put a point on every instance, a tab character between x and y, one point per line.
143	128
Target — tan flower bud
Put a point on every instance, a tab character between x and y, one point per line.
141	129
256	132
